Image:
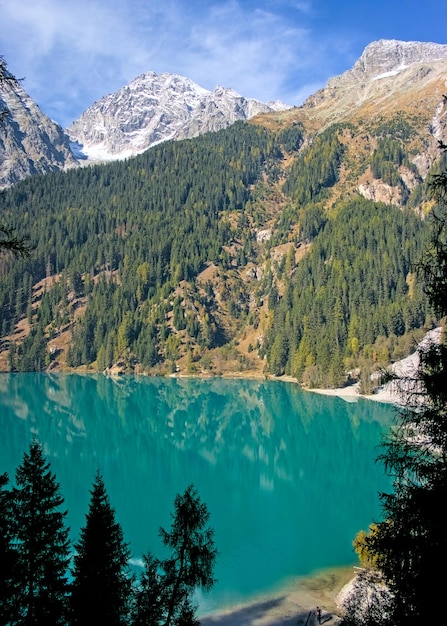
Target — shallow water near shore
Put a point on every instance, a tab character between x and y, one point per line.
289	477
292	603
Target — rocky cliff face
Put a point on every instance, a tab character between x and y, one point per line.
386	67
389	57
155	108
395	83
30	143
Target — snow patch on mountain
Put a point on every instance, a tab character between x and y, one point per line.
389	57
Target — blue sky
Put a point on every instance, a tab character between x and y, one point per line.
73	52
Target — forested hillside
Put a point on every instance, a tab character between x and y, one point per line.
267	248
351	297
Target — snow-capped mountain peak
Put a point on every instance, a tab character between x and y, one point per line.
155	108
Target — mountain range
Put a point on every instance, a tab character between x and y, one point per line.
150	109
158	107
282	243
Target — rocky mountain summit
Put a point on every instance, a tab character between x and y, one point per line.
389	57
30	142
155	108
386	68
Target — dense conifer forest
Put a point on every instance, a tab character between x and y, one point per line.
339	302
227	251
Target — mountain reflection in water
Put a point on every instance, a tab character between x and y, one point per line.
289	477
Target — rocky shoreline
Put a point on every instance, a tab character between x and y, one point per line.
293	604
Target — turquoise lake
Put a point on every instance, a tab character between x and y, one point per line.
289	477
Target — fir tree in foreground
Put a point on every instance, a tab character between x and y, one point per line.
165	594
150	597
41	541
8	556
101	589
192	558
409	546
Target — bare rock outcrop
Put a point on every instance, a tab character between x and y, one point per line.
30	143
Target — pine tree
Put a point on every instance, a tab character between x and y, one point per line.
192	559
165	590
8	556
41	540
102	583
150	596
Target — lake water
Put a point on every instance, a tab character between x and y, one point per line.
289	477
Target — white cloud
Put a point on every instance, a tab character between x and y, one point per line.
74	52
251	50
